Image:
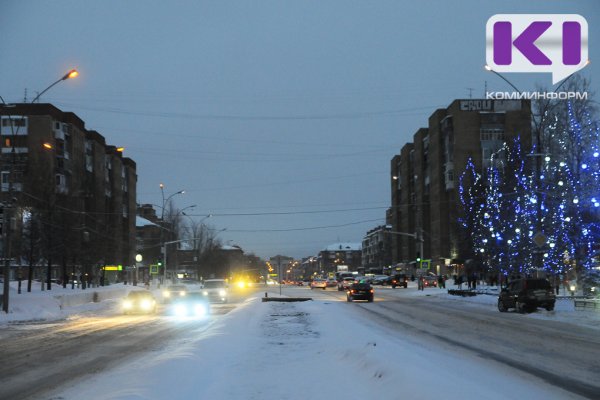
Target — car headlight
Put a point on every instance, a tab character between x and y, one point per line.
572	288
127	304
200	310
167	294
205	293
222	293
241	285
180	310
146	304
182	293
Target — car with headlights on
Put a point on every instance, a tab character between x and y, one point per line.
174	291
318	283
139	302
216	290
360	291
193	305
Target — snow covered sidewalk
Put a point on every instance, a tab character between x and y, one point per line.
317	350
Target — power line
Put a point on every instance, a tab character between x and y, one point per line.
232	117
302	229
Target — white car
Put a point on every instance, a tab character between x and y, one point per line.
216	290
318	283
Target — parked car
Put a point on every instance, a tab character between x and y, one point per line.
331	282
526	295
398	280
360	291
194	305
173	291
216	290
318	283
345	283
139	301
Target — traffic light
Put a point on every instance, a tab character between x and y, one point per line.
418	256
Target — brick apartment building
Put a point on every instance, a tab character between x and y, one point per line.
330	257
73	200
376	250
425	175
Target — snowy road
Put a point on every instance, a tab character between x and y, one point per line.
562	354
37	357
407	344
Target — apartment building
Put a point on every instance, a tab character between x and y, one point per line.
349	254
71	197
425	176
376	249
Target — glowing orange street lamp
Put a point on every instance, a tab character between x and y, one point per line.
48	146
69	75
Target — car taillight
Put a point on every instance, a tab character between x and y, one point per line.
371	290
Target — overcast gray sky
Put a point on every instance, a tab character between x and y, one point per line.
278	117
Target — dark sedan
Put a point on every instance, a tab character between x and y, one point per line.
360	291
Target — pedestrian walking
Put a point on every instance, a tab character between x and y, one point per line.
441	282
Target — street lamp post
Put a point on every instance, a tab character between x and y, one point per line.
162	219
8	210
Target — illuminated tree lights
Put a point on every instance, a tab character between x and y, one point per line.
535	210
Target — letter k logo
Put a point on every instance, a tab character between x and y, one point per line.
554	43
524	43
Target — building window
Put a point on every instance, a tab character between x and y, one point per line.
5	175
13	126
61	183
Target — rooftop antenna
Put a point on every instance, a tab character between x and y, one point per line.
485	90
25	97
470	92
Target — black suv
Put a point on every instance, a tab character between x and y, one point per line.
360	291
399	280
526	295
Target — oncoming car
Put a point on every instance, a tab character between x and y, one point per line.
215	290
139	301
174	291
194	305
